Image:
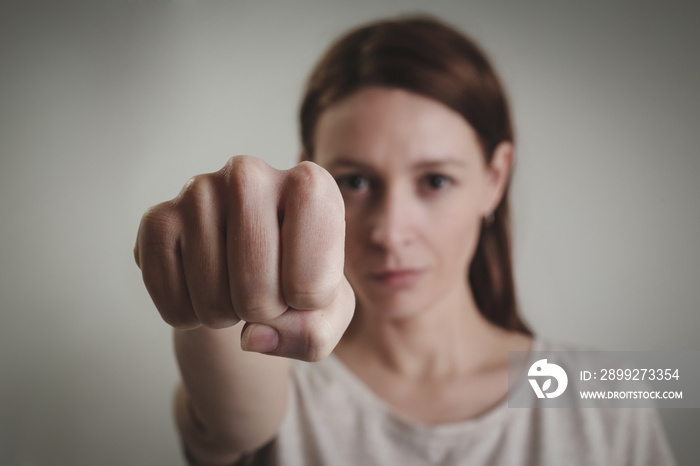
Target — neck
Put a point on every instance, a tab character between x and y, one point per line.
449	338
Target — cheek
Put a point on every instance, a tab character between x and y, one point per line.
455	239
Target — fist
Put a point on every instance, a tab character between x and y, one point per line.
255	244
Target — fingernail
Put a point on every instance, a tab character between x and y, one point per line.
260	338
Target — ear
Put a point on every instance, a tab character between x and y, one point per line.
499	171
303	157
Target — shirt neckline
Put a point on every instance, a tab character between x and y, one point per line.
495	415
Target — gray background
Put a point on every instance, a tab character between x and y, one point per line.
108	108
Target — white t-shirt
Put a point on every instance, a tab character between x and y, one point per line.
333	418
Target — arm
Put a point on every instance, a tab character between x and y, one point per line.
229	401
252	244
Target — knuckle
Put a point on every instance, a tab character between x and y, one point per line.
246	177
242	162
307	182
306	169
160	221
311	186
199	194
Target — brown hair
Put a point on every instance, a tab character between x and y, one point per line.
423	55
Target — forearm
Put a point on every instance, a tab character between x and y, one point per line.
230	401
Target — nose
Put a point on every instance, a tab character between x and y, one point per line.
391	225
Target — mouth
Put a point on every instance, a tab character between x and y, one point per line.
399	278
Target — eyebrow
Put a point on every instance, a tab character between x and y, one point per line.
343	162
441	162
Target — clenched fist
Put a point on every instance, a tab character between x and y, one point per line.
255	244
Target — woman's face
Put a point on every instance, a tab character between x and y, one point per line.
416	188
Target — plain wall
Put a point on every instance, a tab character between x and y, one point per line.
107	108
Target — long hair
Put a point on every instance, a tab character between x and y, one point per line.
425	56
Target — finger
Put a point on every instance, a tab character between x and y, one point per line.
313	236
159	257
204	253
253	241
307	335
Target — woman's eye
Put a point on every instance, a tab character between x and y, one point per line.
353	182
435	181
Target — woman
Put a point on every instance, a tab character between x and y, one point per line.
407	120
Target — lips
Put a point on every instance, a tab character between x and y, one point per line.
399	278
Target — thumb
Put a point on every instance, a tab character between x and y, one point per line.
307	335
